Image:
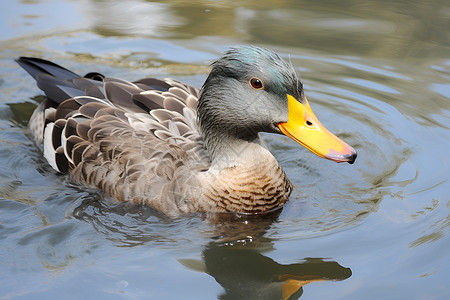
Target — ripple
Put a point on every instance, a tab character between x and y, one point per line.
372	85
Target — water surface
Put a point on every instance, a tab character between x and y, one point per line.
377	73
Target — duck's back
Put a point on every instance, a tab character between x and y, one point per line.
136	141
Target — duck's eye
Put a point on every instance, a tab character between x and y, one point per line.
256	83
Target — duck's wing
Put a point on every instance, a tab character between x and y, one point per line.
106	131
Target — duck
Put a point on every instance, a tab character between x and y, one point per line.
174	147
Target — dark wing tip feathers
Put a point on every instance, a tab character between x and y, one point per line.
54	80
35	66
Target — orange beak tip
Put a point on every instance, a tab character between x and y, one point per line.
349	157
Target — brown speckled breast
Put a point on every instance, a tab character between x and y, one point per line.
252	188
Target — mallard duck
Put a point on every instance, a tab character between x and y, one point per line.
174	147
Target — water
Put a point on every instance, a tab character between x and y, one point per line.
376	73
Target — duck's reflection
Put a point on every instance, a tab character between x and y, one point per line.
247	274
240	268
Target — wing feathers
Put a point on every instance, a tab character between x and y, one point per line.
67	109
179	93
122	94
173	104
153	84
83	129
149	100
95	91
126	138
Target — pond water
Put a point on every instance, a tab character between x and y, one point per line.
377	73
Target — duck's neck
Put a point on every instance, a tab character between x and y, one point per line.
229	152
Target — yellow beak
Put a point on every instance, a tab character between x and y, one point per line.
304	127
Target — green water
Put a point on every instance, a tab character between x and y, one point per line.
377	73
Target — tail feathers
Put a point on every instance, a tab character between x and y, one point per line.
35	66
56	81
57	89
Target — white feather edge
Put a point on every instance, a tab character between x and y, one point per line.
49	151
64	144
104	101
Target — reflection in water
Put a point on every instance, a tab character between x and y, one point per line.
125	17
245	273
316	25
234	256
240	268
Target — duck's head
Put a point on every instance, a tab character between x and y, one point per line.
252	90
